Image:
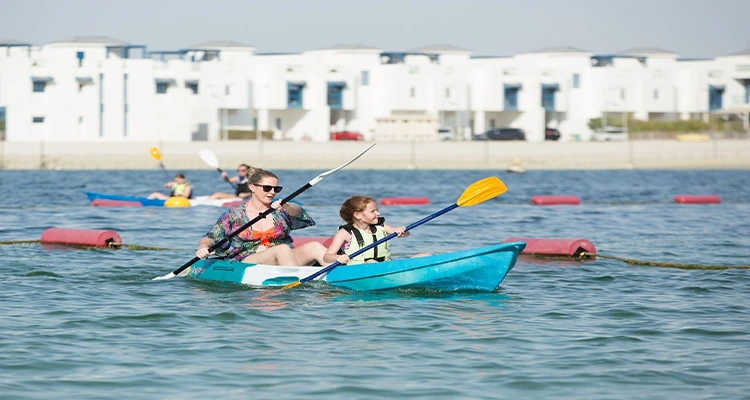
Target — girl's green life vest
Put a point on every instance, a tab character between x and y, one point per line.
362	238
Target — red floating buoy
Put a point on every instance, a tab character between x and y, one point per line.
697	199
115	203
555	247
324	240
80	237
555	200
404	201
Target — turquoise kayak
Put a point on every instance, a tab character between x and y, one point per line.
480	269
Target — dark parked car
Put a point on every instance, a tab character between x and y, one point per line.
502	134
346	135
551	134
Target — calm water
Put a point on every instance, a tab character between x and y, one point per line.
90	324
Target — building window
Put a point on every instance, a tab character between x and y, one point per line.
39	86
656	95
161	88
511	97
365	78
622	94
192	86
447	93
38	120
576	81
335	95
715	97
548	96
278	123
255	123
492	123
413	92
294	94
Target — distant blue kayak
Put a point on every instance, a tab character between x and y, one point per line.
479	269
112	199
146	202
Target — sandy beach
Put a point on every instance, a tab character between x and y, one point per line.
491	155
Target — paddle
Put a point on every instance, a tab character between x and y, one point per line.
478	192
262	215
156	154
210	159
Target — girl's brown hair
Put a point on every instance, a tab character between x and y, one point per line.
352	205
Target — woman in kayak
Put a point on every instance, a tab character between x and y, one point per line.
240	183
267	241
180	188
364	226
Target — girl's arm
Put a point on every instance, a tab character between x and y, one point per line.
400	231
338	241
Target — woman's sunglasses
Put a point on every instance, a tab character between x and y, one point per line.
267	188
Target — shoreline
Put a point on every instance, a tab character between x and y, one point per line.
487	155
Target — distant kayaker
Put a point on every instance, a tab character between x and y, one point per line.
180	188
269	240
364	226
240	183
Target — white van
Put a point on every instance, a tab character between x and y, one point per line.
610	134
446	134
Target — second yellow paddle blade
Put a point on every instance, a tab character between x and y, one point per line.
155	153
481	191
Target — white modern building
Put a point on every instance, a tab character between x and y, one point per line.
97	89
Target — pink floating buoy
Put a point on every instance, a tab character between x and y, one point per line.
555	247
115	203
404	201
555	200
80	237
300	240
697	199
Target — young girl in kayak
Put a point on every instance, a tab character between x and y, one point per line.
180	188
267	241
364	226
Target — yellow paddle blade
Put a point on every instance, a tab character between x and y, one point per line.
155	153
481	191
290	285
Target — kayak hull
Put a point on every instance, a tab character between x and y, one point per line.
481	269
146	202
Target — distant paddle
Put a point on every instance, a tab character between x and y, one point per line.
479	192
156	154
262	215
210	159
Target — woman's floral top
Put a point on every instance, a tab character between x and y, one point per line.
246	243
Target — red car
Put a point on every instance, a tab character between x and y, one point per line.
346	135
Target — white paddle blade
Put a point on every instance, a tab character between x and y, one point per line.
209	158
325	174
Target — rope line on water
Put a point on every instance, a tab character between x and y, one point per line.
664	264
113	246
585	256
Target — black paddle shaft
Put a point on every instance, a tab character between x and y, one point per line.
242	228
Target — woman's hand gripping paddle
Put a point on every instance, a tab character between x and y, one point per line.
210	159
478	192
262	215
156	154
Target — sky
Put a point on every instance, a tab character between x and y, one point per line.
690	28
